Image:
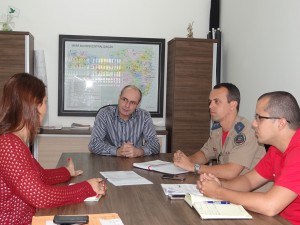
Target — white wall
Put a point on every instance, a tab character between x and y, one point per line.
261	48
131	18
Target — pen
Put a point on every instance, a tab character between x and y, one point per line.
218	202
103	181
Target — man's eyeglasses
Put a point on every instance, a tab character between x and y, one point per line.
125	100
258	117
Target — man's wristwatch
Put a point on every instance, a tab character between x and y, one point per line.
197	168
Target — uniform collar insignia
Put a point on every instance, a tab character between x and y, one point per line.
216	125
239	126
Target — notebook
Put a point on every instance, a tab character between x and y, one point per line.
209	208
160	166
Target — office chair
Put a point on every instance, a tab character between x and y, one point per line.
105	107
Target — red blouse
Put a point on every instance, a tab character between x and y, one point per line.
25	185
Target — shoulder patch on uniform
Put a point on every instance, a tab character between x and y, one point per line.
239	127
240	139
215	125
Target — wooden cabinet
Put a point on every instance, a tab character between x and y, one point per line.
189	82
16	54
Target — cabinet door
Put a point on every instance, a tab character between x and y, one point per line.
16	55
190	63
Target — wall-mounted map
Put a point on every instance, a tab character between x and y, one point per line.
93	70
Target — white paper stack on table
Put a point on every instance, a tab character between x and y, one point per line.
160	166
209	208
93	198
180	189
53	127
123	178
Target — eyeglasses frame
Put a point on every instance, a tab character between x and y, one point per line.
258	117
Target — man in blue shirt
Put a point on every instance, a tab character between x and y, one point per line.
124	130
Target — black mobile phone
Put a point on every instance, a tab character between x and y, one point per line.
63	219
172	177
177	196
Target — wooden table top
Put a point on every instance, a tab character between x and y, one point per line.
140	204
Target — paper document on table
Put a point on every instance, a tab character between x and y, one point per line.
178	189
122	178
110	219
160	166
111	222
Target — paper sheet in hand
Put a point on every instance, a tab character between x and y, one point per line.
160	166
122	178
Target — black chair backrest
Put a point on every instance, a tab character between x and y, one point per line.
105	107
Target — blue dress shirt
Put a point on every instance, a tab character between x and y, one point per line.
110	132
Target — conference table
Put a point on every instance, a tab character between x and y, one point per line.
140	204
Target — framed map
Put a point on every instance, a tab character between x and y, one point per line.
94	69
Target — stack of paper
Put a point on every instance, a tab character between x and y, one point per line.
180	189
160	166
80	126
58	127
209	208
121	178
93	198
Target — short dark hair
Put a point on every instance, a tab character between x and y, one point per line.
133	87
284	105
22	94
233	93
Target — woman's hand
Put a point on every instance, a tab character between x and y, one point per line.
98	185
71	168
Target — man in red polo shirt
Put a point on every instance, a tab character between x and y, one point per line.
277	123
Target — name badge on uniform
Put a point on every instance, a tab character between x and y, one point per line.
240	139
